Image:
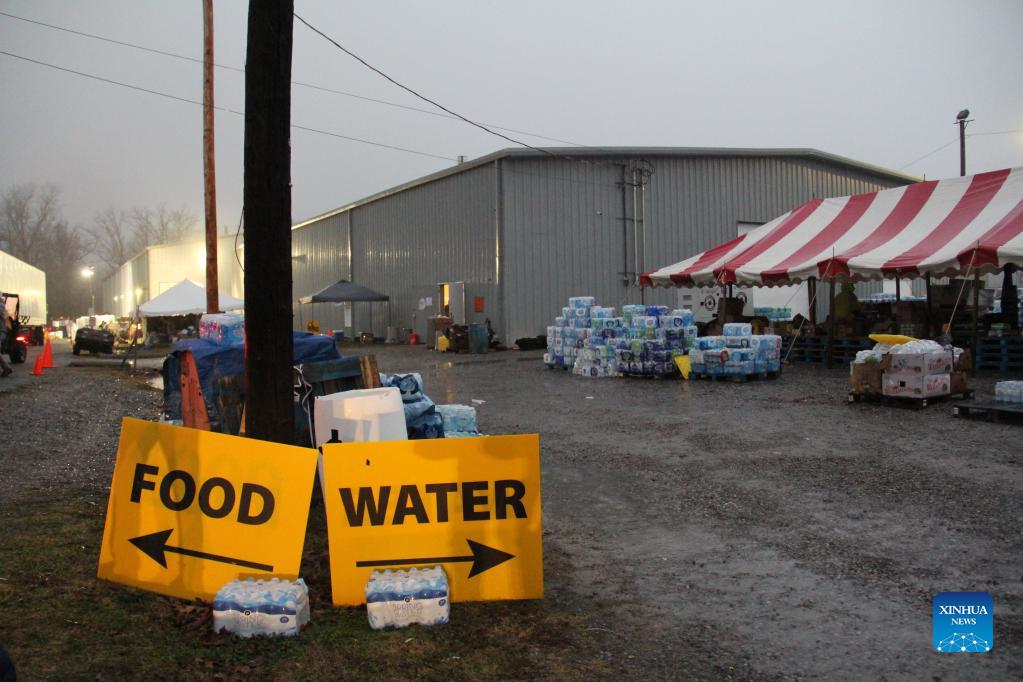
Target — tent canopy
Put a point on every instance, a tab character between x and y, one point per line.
344	292
185	298
938	227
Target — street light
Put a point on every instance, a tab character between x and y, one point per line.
962	118
87	272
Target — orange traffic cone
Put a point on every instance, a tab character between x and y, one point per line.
48	355
38	369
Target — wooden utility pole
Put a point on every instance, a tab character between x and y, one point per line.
209	169
267	215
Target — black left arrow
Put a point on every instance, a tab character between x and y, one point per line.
155	545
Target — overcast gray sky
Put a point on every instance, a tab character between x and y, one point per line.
880	82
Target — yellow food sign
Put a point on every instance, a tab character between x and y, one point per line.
190	510
471	505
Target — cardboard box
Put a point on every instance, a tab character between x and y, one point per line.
917	385
938	362
865	378
965	361
958	382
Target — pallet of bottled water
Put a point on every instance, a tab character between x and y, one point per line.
738	352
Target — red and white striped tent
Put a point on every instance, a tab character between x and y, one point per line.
937	227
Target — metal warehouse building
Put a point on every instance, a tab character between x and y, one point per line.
29	282
157	268
523	230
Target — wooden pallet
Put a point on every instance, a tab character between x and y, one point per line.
991	410
370	372
736	378
665	375
815	348
1004	354
907	401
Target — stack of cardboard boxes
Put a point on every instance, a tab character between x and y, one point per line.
912	375
917	375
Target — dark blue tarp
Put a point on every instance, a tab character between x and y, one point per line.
215	362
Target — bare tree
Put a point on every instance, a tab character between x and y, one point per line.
65	294
117	236
162	225
33	229
112	238
30	214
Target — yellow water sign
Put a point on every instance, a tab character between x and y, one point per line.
471	505
191	510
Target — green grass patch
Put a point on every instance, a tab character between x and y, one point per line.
61	622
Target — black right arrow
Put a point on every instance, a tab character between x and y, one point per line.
155	544
483	558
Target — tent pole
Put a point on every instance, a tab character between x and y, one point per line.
930	312
1010	297
831	322
898	288
811	292
724	310
976	310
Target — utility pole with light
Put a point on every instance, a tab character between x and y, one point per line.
962	118
87	272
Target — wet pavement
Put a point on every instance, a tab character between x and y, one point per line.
767	529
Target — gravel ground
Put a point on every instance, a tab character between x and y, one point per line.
63	426
759	530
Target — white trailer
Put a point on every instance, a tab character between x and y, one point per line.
18	277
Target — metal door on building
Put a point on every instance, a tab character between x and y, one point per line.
451	301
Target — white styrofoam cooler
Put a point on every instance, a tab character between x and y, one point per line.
360	416
372	414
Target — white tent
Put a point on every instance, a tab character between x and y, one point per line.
185	298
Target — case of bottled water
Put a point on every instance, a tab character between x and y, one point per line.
223	329
459	420
398	599
1009	391
261	607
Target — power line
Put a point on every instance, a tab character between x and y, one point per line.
997	132
224	109
413	92
930	153
298	83
956	139
107	80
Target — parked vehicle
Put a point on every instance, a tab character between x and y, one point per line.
16	343
93	340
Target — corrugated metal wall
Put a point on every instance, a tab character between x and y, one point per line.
404	245
539	230
320	257
29	282
564	235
